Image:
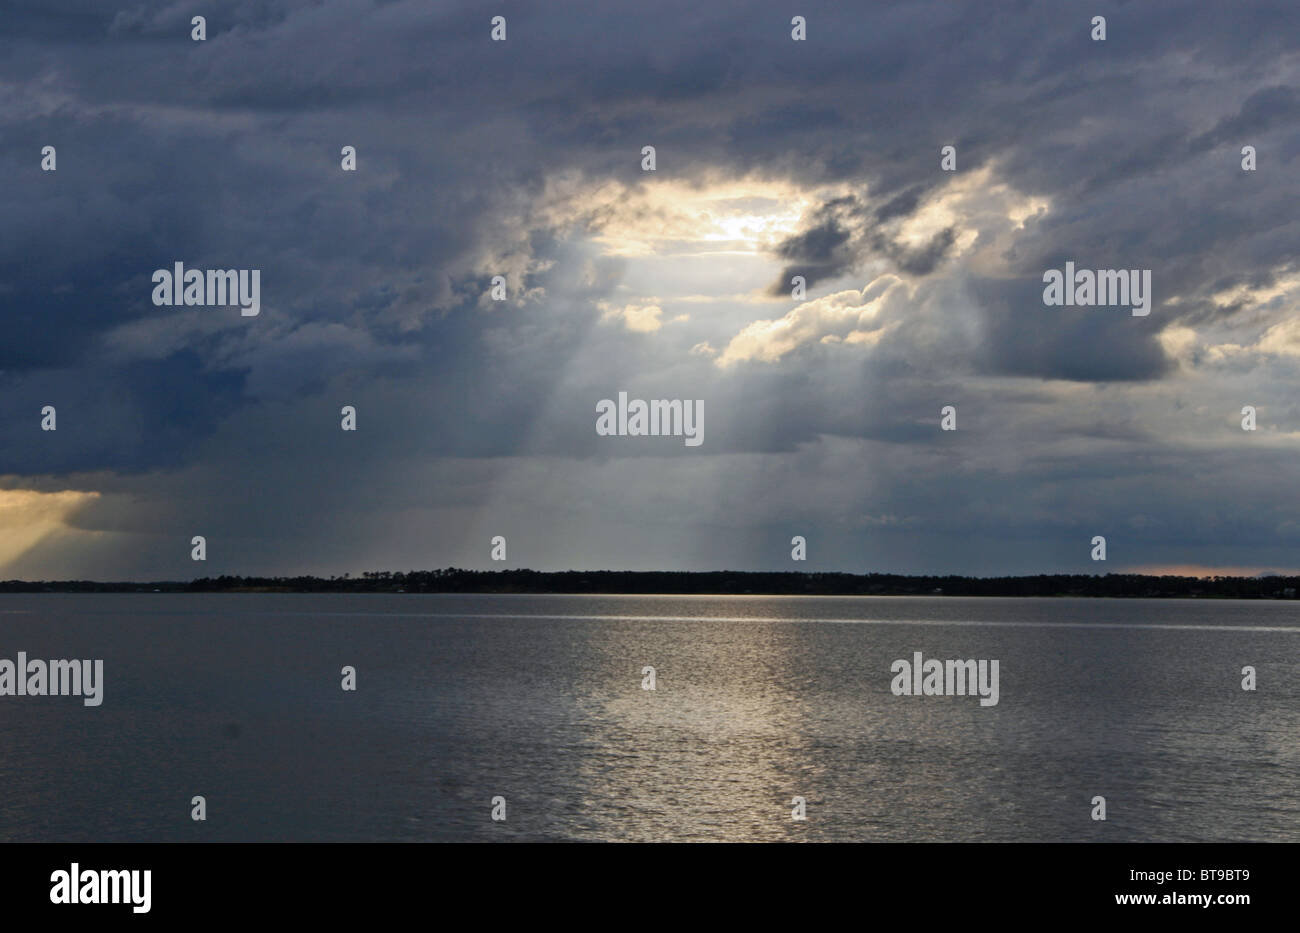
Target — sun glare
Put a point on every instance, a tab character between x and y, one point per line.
672	217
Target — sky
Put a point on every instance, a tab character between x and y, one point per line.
774	158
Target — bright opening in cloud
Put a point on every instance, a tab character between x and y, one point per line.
27	517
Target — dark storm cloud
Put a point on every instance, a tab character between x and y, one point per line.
901	205
1260	112
921	261
1102	345
819	252
842	235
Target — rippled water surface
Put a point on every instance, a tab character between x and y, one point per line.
539	699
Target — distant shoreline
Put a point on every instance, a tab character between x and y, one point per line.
702	583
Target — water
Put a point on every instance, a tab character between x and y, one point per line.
538	699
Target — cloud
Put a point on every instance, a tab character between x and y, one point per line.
851	316
640	319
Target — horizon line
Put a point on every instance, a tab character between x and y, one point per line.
370	575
